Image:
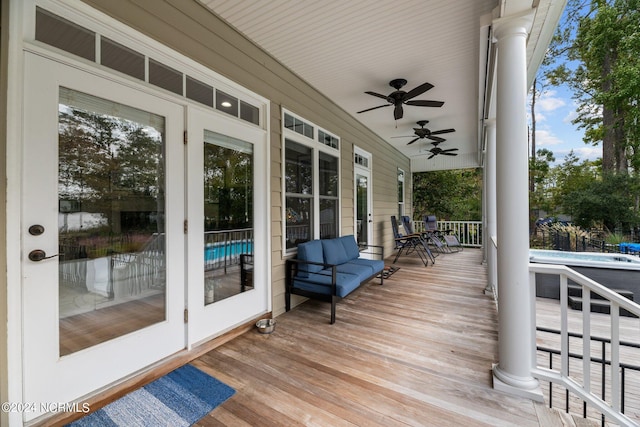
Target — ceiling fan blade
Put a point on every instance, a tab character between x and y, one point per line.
397	112
379	95
431	156
436	139
438	132
374	108
449	150
412	141
419	90
420	103
449	154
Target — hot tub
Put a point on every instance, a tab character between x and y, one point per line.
615	271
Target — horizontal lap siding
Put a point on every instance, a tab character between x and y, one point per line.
189	28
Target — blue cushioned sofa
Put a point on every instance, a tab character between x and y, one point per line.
330	269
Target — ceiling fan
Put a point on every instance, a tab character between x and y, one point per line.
437	150
400	97
423	132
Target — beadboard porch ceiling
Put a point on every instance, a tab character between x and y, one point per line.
346	47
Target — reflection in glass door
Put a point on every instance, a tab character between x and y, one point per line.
111	232
363	214
228	217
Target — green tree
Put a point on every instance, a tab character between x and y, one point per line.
606	202
448	194
597	53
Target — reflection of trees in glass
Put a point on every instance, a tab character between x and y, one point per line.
112	166
228	188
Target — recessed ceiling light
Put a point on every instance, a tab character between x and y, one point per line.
226	104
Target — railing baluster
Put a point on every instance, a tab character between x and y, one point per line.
615	355
586	341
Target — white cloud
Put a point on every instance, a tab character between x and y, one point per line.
545	138
550	102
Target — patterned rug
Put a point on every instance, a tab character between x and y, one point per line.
180	398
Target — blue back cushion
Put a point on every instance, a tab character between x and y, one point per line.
334	252
350	246
310	251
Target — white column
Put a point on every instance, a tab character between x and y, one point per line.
512	373
490	205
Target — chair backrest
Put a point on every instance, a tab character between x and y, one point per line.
406	223
394	226
430	223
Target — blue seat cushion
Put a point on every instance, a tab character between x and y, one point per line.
375	265
334	252
310	251
321	283
361	270
350	246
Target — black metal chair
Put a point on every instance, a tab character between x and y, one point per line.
409	244
448	239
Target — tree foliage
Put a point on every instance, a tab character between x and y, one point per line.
448	194
597	54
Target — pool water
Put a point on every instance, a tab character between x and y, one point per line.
217	251
587	259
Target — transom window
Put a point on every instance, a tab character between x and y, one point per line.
72	38
311	182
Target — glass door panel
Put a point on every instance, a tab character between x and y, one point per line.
363	214
111	220
228	216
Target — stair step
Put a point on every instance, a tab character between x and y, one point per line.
597	306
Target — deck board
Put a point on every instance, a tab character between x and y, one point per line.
416	351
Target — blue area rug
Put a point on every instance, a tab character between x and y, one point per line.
180	398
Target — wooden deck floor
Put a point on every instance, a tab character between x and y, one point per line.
415	352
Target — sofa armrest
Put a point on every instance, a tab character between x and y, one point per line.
292	265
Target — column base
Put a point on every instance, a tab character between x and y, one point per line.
529	388
488	290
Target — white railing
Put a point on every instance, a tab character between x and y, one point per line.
469	232
579	381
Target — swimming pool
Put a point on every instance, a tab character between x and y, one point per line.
615	271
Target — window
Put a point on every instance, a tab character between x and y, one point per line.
328	183
400	193
311	182
63	34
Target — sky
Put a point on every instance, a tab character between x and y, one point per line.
554	131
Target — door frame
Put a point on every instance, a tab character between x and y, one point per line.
362	164
43	77
207	321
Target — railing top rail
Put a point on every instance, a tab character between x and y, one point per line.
592	285
233	230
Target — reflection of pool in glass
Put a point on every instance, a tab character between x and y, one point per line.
230	250
615	271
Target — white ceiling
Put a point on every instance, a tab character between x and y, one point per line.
346	47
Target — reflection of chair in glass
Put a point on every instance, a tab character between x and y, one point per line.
246	271
410	244
451	242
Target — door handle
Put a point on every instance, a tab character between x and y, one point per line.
38	255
